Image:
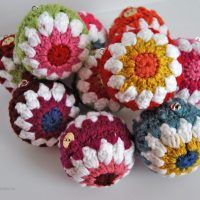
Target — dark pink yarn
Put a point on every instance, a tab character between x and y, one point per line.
90	135
191	70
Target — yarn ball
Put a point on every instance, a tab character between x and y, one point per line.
189	89
96	149
7	65
97	32
89	84
168	138
40	111
132	18
52	42
141	69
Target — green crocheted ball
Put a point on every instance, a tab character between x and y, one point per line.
52	42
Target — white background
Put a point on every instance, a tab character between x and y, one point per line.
28	172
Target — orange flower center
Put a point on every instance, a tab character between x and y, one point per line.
146	65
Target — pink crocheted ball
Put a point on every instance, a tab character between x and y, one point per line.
96	149
90	86
190	58
97	32
40	111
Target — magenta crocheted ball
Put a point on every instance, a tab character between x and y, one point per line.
40	111
97	32
6	62
90	86
96	149
190	58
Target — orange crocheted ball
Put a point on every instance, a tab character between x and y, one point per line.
136	18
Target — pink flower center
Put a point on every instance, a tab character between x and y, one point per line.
105	179
146	65
58	55
191	71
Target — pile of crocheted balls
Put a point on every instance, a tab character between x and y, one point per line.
69	77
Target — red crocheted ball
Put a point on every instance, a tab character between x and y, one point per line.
189	89
6	62
90	87
97	32
136	18
96	149
40	110
141	69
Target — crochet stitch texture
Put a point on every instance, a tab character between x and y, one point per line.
90	86
167	138
40	110
52	42
10	72
97	32
132	18
96	149
141	69
189	89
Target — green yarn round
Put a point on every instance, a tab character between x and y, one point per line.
31	21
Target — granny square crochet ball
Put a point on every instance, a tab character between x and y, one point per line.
96	149
52	42
90	87
7	65
40	111
141	69
97	32
132	18
168	138
189	89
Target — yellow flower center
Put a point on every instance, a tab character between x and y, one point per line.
145	66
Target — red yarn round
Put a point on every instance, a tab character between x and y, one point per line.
58	55
146	65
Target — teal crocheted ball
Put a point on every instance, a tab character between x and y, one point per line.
168	138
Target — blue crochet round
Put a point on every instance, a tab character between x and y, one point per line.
168	138
185	161
52	120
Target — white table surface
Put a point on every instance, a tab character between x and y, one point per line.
32	173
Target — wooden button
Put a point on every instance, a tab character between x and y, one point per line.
69	137
8	41
130	12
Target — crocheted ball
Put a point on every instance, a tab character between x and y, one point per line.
189	89
90	87
141	69
137	18
168	138
97	32
40	111
96	149
52	42
7	65
12	73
